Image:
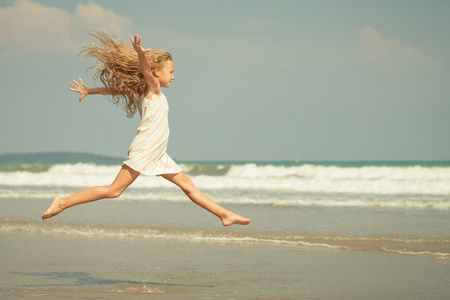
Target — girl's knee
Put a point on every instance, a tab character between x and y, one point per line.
114	192
181	180
186	184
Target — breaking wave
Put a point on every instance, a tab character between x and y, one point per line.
250	183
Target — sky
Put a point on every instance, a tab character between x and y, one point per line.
254	80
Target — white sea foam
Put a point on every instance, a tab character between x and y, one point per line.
427	253
173	195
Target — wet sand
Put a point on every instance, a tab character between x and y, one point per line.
57	266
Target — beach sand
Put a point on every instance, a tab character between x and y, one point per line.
58	266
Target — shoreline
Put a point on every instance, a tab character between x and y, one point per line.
431	247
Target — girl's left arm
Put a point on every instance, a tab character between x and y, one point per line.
146	68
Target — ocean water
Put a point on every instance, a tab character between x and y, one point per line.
319	230
392	207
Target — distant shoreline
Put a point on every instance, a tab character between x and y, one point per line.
57	158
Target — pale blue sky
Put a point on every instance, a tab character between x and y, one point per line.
254	80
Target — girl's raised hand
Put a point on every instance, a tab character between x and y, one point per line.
137	44
80	88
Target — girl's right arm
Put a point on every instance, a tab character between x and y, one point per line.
84	90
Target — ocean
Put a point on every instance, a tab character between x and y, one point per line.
388	212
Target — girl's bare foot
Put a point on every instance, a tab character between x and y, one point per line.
54	209
234	219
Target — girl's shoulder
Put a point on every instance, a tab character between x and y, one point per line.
154	97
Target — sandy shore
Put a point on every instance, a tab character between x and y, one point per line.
66	267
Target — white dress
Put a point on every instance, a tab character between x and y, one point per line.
147	153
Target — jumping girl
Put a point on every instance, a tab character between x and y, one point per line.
135	82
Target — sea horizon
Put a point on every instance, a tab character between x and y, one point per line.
55	157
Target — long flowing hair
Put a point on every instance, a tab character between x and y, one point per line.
118	69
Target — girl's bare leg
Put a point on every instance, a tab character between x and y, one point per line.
125	177
185	183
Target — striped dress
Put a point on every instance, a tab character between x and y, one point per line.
147	153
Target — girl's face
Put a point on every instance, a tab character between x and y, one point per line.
166	74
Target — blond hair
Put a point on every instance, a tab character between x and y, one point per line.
118	69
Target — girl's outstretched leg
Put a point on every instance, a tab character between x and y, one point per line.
125	177
185	183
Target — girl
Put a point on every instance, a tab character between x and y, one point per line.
135	82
